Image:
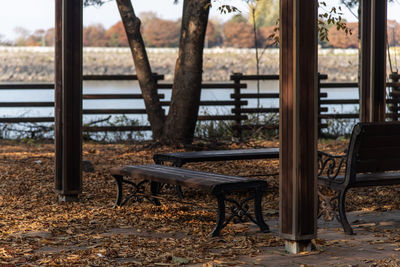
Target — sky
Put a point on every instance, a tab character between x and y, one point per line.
39	14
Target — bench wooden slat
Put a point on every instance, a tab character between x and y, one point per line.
375	165
381	179
380	141
386	128
179	176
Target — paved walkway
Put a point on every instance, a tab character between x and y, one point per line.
374	240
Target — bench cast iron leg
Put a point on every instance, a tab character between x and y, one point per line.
342	213
258	211
118	181
178	188
221	215
155	189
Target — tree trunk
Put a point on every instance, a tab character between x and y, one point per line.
185	99
147	82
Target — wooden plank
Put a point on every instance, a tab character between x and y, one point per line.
241	76
58	134
339	116
387	164
116	96
26	119
26	104
213	103
207	86
114	111
179	176
219	118
338	85
265	95
339	101
115	128
379	141
254	95
26	86
117	77
267	110
219	155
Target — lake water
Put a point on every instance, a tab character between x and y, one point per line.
132	87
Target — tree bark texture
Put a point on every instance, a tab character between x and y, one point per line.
147	82
185	99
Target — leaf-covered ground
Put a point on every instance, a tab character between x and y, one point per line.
36	230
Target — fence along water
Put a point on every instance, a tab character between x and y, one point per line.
238	100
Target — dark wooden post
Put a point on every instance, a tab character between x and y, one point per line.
68	99
365	60
298	123
373	60
378	59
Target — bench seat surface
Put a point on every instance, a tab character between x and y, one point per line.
220	155
185	177
367	179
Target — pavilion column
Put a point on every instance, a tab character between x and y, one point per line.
373	60
298	123
68	99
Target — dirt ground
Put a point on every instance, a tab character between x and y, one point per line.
36	230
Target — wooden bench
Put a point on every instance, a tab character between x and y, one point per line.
178	159
218	185
372	159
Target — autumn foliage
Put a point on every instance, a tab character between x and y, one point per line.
339	39
158	32
161	33
116	36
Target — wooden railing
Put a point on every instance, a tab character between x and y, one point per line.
238	100
391	101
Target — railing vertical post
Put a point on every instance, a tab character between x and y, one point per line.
236	77
395	95
319	121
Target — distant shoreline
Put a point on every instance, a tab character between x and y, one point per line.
36	64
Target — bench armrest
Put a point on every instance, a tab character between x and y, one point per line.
329	166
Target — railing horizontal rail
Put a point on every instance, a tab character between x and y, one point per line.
115	128
338	85
25	104
25	86
207	86
113	111
117	77
212	103
26	119
257	110
240	76
220	118
339	101
339	116
265	95
116	96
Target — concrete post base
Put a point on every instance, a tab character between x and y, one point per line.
296	247
67	198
